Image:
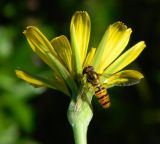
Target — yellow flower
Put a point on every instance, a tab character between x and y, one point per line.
68	59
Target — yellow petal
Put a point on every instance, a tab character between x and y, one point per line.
26	77
40	45
37	81
63	49
112	44
126	58
80	34
123	78
35	37
89	58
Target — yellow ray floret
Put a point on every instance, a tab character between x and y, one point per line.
112	44
37	81
63	49
126	58
26	77
89	57
36	38
80	34
40	45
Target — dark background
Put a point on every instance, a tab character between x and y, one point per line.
38	116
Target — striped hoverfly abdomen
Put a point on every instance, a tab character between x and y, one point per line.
100	92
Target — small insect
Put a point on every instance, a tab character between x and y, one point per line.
100	92
118	79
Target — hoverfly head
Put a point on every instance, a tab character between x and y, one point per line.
88	69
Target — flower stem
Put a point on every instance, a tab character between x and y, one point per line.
79	115
80	133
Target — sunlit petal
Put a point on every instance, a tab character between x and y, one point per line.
80	34
63	49
89	57
40	45
112	44
44	49
35	37
38	81
33	81
126	58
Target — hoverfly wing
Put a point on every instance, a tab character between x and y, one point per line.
121	82
126	82
122	78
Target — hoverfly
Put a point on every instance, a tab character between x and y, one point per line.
123	78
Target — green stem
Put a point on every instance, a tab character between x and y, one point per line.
79	115
80	133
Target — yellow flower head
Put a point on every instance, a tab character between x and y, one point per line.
68	59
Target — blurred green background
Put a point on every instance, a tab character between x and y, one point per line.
38	116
